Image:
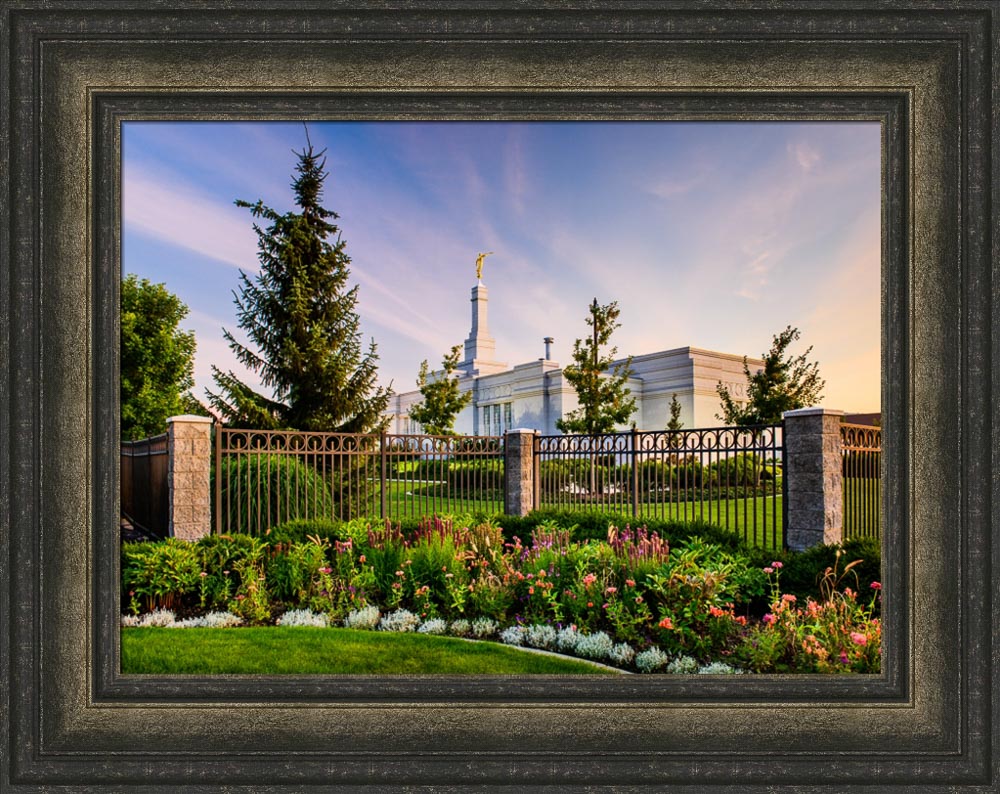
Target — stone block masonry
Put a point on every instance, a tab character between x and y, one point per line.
520	472
813	475
189	443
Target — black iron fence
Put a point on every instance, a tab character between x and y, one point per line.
144	491
861	447
727	476
266	478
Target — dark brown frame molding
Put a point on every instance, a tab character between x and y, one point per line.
72	72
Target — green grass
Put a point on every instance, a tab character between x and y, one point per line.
276	650
760	515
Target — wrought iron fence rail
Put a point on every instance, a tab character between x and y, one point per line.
861	447
726	476
266	478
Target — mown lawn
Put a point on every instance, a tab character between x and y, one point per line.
277	650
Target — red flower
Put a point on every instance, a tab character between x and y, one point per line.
876	586
666	623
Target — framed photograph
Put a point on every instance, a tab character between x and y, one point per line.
79	75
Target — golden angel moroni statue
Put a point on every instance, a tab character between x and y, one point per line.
479	264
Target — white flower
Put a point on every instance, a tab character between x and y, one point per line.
400	620
484	627
433	626
719	668
513	635
364	618
540	636
595	646
683	665
651	660
303	617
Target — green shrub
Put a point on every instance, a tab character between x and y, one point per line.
220	557
476	475
262	491
292	571
160	575
299	530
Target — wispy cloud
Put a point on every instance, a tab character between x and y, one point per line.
805	155
187	217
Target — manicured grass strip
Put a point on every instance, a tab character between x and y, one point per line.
277	650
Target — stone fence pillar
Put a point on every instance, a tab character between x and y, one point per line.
519	472
814	511
189	447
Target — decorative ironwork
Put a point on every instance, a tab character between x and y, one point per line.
862	476
727	476
265	478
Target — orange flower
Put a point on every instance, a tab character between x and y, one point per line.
666	623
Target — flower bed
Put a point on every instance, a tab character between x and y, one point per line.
631	600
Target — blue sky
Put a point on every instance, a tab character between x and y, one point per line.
715	235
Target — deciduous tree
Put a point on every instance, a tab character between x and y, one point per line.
443	399
157	359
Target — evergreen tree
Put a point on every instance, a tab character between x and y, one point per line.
443	400
783	384
675	414
674	424
157	359
604	398
299	315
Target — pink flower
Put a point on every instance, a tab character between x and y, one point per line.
769	570
611	590
203	574
399	573
240	597
630	582
768	619
638	599
325	570
788	598
876	586
589	579
777	565
858	639
843	657
361	558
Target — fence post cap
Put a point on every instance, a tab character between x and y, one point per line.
813	412
522	430
190	419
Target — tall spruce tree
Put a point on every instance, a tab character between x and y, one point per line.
443	400
785	383
604	397
299	314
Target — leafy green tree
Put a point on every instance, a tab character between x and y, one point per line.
604	397
157	359
783	384
299	315
443	400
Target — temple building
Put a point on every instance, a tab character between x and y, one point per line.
535	394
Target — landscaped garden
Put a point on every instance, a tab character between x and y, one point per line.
363	597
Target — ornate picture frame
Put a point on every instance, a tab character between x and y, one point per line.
74	72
